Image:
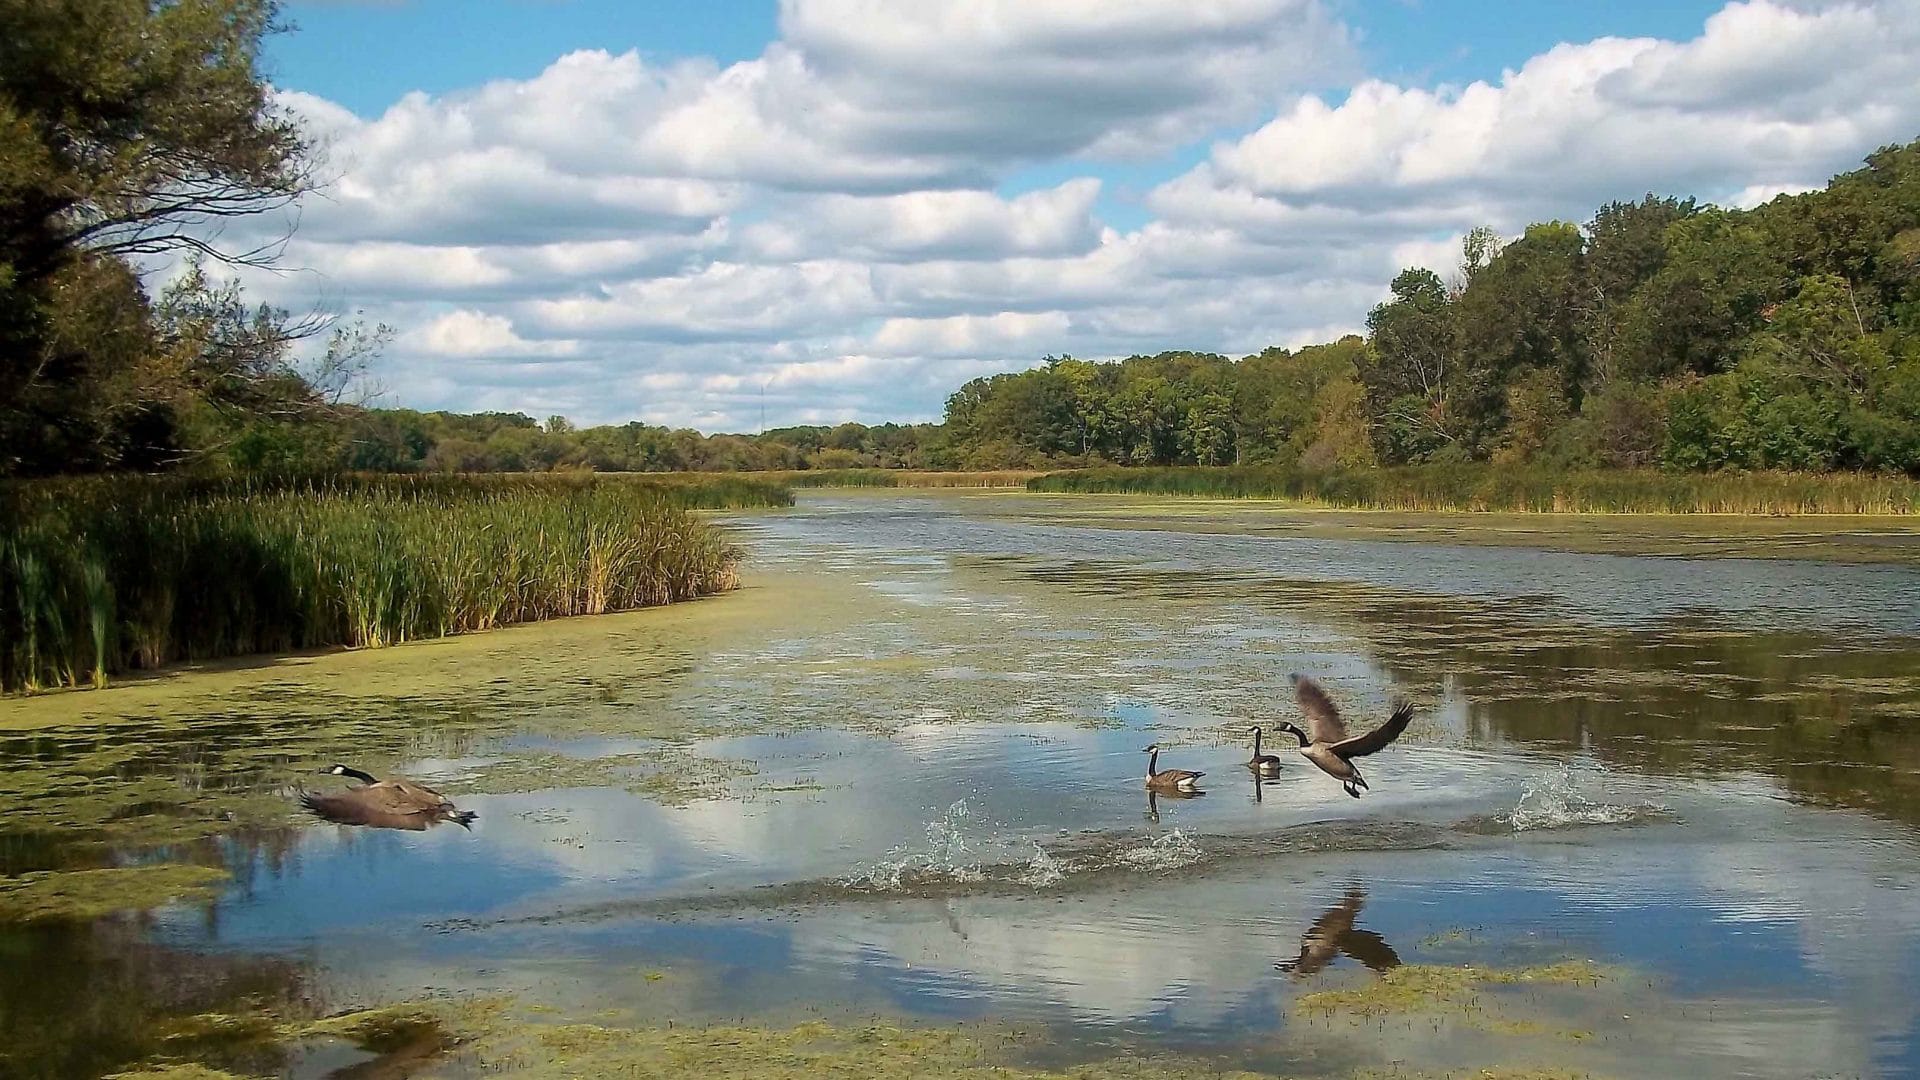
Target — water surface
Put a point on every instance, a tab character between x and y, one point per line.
898	776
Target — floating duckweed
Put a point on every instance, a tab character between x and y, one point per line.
666	774
90	894
811	1050
1548	1073
228	1028
175	1072
391	1026
1417	988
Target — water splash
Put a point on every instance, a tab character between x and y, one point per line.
1073	864
948	855
1556	800
947	843
955	855
1169	852
1043	871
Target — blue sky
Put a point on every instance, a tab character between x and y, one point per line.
365	55
620	210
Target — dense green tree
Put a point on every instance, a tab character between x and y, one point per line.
1342	430
127	128
1626	245
1412	367
1719	278
1520	316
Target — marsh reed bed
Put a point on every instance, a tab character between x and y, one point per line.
904	478
100	576
1513	490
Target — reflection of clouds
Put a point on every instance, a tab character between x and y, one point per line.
1847	900
1021	782
1110	959
1763	874
937	644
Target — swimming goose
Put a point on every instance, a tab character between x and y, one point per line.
1333	934
384	804
1264	764
1171	779
1330	747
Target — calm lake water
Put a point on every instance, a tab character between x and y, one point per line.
899	776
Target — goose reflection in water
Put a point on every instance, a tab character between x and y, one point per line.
1333	933
1153	797
1262	781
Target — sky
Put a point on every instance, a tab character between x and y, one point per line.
720	214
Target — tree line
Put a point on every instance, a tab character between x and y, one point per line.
403	440
1663	333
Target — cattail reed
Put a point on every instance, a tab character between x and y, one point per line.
99	576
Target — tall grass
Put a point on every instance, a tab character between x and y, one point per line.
104	575
903	478
1514	490
704	490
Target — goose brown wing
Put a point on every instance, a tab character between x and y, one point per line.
348	809
414	796
1323	717
1378	738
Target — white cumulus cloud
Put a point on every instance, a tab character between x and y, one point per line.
893	198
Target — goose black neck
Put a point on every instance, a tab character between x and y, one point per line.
1256	744
1298	734
1153	762
358	775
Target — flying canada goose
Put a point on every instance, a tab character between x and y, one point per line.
1264	764
1175	780
1330	747
1333	933
384	804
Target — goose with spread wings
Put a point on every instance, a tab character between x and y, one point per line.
1329	746
384	804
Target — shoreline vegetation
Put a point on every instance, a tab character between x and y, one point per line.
1477	488
906	478
101	576
105	575
861	477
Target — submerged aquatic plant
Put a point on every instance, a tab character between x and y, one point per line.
106	575
80	895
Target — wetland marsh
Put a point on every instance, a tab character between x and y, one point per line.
1659	812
